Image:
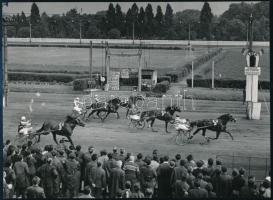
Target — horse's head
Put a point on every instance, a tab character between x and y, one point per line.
227	118
173	109
75	120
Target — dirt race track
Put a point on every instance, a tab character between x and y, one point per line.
251	138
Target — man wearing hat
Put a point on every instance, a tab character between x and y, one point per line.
249	190
115	153
117	179
77	105
35	191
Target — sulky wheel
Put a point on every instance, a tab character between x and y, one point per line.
34	138
181	137
140	124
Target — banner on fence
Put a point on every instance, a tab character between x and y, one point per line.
114	80
124	73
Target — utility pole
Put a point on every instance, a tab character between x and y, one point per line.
212	75
29	31
91	46
5	67
192	74
133	32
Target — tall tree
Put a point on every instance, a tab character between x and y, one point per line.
141	22
134	10
23	19
205	21
110	17
119	19
129	21
169	16
34	14
149	16
158	20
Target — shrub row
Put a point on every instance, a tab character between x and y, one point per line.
161	87
43	77
83	83
226	83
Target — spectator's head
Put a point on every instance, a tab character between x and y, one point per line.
7	142
136	187
210	161
50	147
61	152
103	152
128	185
199	176
217	172
209	187
11	150
148	192
224	169
155	152
182	162
128	156
35	180
110	155
119	163
205	171
166	158
115	149
196	184
251	181
190	169
199	163
94	157
242	171
71	147
119	194
266	184
132	158
24	147
147	160
122	151
139	156
20	157
54	153
29	143
78	147
218	162
161	160
91	149
235	172
72	156
172	164
99	164
178	156
86	190
49	160
189	158
155	158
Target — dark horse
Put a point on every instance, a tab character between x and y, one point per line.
111	106
63	129
166	116
218	125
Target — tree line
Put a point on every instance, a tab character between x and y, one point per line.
146	23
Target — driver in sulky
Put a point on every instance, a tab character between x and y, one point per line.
24	127
77	105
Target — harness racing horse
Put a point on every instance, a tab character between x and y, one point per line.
65	129
218	125
111	106
166	116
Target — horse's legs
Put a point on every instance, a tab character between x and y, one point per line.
229	134
204	134
197	130
127	112
54	138
217	135
98	114
70	140
117	115
92	112
166	127
152	123
102	119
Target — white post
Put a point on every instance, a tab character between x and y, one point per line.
29	32
90	62
192	74
212	75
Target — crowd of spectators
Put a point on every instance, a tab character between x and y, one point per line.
61	171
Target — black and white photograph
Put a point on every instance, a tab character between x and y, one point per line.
136	99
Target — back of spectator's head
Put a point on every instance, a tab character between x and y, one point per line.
235	172
119	194
241	171
199	163
184	178
110	155
205	171
155	158
29	143
172	164
200	176
128	185
209	187
24	147
7	142
20	157
178	156
166	158
115	149
147	160
94	157
78	147
86	190
155	152
11	149
196	183
148	192
210	161
71	147
139	156
50	147
218	162
119	163
54	153
217	171
251	180
35	180
103	152
132	158
182	162
136	187
224	169
189	157
61	152
72	155
122	151
99	164
161	160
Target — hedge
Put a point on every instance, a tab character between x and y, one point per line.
174	77
43	77
163	78
82	84
225	83
161	87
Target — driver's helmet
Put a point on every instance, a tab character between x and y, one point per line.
77	99
23	119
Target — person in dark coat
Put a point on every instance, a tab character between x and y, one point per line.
127	193
190	177
209	188
35	191
180	187
190	161
122	156
238	182
164	172
225	183
198	192
86	159
48	173
31	162
22	172
198	169
56	162
178	172
249	191
216	182
109	165
98	180
131	170
137	193
79	158
117	179
10	179
92	164
147	176
210	167
139	160
71	167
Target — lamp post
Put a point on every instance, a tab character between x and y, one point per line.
184	99
133	32
80	27
29	31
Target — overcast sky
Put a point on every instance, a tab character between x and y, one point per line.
92	7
